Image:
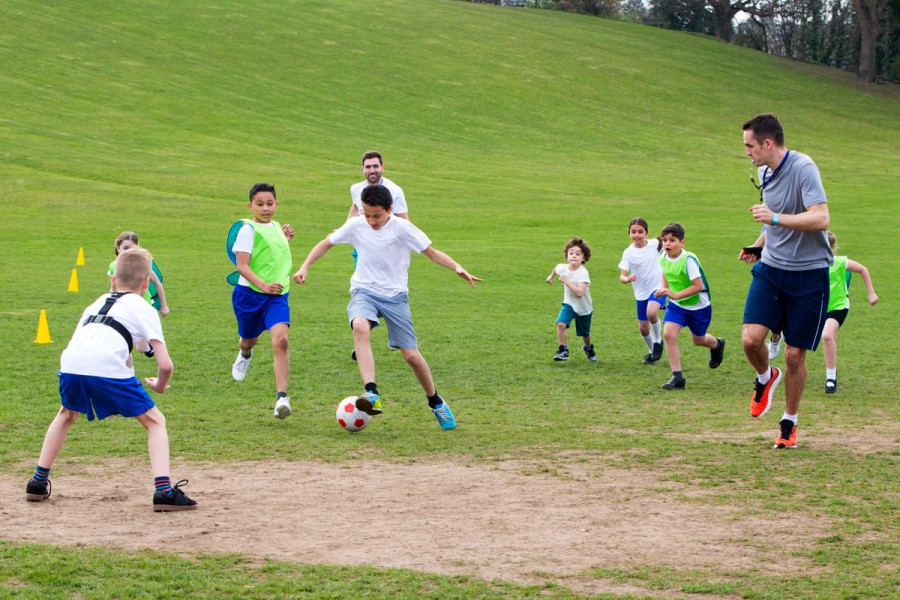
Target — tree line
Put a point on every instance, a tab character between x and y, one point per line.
854	35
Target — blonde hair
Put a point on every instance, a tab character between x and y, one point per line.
132	268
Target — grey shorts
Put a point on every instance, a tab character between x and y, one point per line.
394	310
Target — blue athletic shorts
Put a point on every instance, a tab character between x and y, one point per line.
792	302
642	306
582	322
394	310
695	320
256	312
104	396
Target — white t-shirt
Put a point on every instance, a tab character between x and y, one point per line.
643	263
383	253
693	271
244	243
399	204
583	305
100	350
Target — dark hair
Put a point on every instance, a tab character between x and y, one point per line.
639	221
372	154
674	229
129	236
377	195
262	187
577	241
766	127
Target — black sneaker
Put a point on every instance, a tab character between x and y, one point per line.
562	354
830	386
676	383
176	500
648	358
655	354
37	491
716	354
589	352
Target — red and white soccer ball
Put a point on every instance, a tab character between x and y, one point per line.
349	417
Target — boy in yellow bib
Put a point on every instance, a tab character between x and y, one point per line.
260	297
684	283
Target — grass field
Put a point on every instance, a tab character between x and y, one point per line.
510	131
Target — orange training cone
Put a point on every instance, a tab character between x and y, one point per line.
73	281
43	332
80	261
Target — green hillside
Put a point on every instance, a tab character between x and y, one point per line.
510	132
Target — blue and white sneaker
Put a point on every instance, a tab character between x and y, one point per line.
444	415
369	403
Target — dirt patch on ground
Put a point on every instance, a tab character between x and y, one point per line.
511	521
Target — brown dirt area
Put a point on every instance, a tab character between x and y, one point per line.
513	521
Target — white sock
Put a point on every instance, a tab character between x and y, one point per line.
831	373
791	418
656	331
648	339
764	377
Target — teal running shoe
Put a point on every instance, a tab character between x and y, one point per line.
444	415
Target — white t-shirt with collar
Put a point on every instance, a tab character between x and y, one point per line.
383	266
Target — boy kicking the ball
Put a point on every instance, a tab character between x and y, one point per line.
96	377
378	289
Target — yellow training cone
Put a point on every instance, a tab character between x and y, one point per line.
73	281
80	261
43	333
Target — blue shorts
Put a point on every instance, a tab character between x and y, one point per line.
642	306
256	312
695	320
792	302
394	310
582	322
104	396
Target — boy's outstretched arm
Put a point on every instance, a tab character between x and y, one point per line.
164	368
315	254
444	260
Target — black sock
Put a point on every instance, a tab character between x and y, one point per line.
280	395
433	401
677	375
371	387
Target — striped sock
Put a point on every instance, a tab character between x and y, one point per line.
41	474
163	484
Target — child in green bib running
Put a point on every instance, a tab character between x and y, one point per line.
684	283
260	298
155	294
839	306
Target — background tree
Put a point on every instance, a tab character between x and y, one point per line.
868	14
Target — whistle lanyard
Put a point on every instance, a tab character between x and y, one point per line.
766	181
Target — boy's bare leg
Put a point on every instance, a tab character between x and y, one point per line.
282	359
248	345
362	344
670	335
157	441
56	436
562	333
794	377
706	340
420	367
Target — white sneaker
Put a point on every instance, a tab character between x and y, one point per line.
239	368
283	408
774	348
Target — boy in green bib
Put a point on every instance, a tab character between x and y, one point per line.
684	283
260	297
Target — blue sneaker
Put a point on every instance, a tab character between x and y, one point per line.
444	415
369	403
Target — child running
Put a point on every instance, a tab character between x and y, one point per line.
96	377
838	308
577	303
684	283
379	289
640	267
260	298
155	294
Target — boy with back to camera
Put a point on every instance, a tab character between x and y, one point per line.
379	289
96	377
577	303
684	283
260	298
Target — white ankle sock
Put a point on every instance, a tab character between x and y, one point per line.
791	418
831	374
764	377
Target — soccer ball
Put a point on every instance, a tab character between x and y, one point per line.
349	417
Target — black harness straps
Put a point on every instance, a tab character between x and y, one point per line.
105	319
